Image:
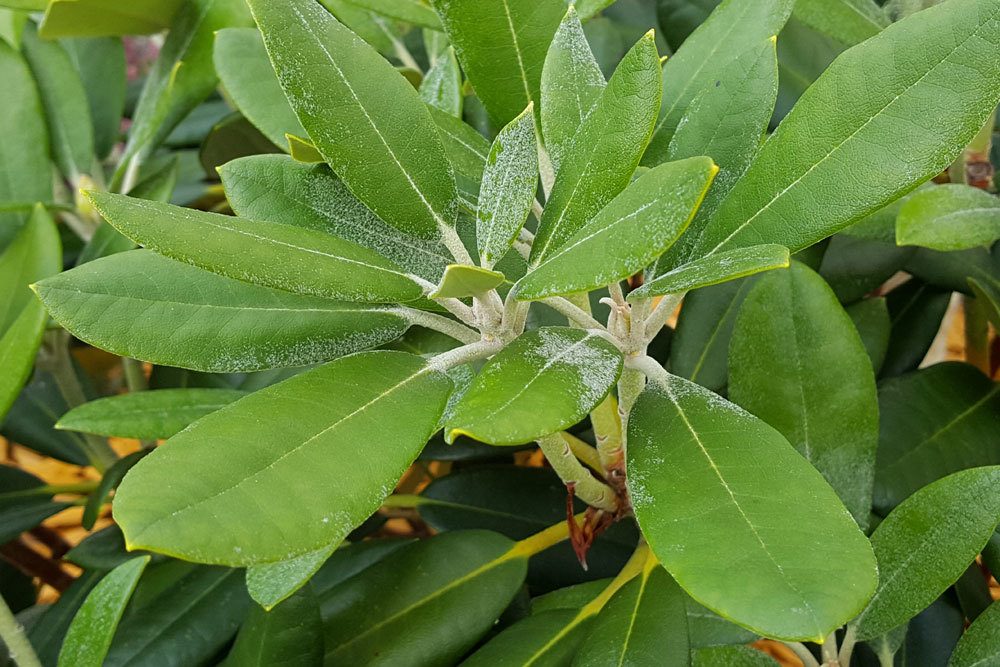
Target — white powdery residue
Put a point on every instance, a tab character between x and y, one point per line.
508	187
595	367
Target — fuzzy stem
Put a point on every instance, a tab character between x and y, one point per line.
829	650
584	452
453	306
135	379
463	355
847	647
616	293
454	244
439	323
573	312
587	487
658	318
13	636
802	653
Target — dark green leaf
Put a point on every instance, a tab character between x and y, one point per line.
548	638
290	635
442	86
915	312
24	503
871	319
980	645
92	18
101	64
730	656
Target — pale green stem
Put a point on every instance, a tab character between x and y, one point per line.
584	452
16	640
439	323
453	306
463	355
802	653
453	242
586	487
404	501
658	318
617	295
847	647
573	312
135	379
829	650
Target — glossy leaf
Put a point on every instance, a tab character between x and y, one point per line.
227	325
572	84
606	150
797	362
391	611
881	98
269	584
502	48
847	21
936	421
949	217
442	86
233	501
509	183
381	140
246	74
460	281
278	189
980	645
264	253
289	635
147	415
731	29
626	235
546	638
96	18
926	543
546	380
94	625
715	269
696	476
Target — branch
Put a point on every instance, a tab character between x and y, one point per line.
573	312
439	323
587	487
658	318
463	355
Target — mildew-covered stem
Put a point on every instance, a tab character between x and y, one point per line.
586	487
13	636
464	354
439	323
573	312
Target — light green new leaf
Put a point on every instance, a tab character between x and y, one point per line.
283	257
442	85
460	281
299	148
509	183
847	21
18	346
886	116
980	645
797	362
248	78
390	613
701	471
25	143
936	421
627	234
643	625
290	635
416	12
102	67
366	120
231	494
733	27
94	625
67	111
715	269
949	217
546	380
184	74
143	306
271	583
278	189
99	18
926	543
572	84
606	150
502	47
147	415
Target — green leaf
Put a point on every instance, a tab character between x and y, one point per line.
248	78
25	144
731	656
94	626
409	11
847	21
147	415
732	28
886	128
546	638
442	86
706	628
949	217
546	380
391	612
301	150
926	543
102	67
24	503
936	421
980	645
98	18
278	189
509	183
227	325
467	151
34	254
916	311
572	84
502	48
263	253
460	281
379	408
695	478
644	623
271	583
18	346
715	269
871	319
67	111
606	150
630	232
290	634
381	141
184	74
797	362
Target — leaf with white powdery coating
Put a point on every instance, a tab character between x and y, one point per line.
715	269
442	85
367	121
509	183
546	380
263	253
703	470
949	217
886	116
233	498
